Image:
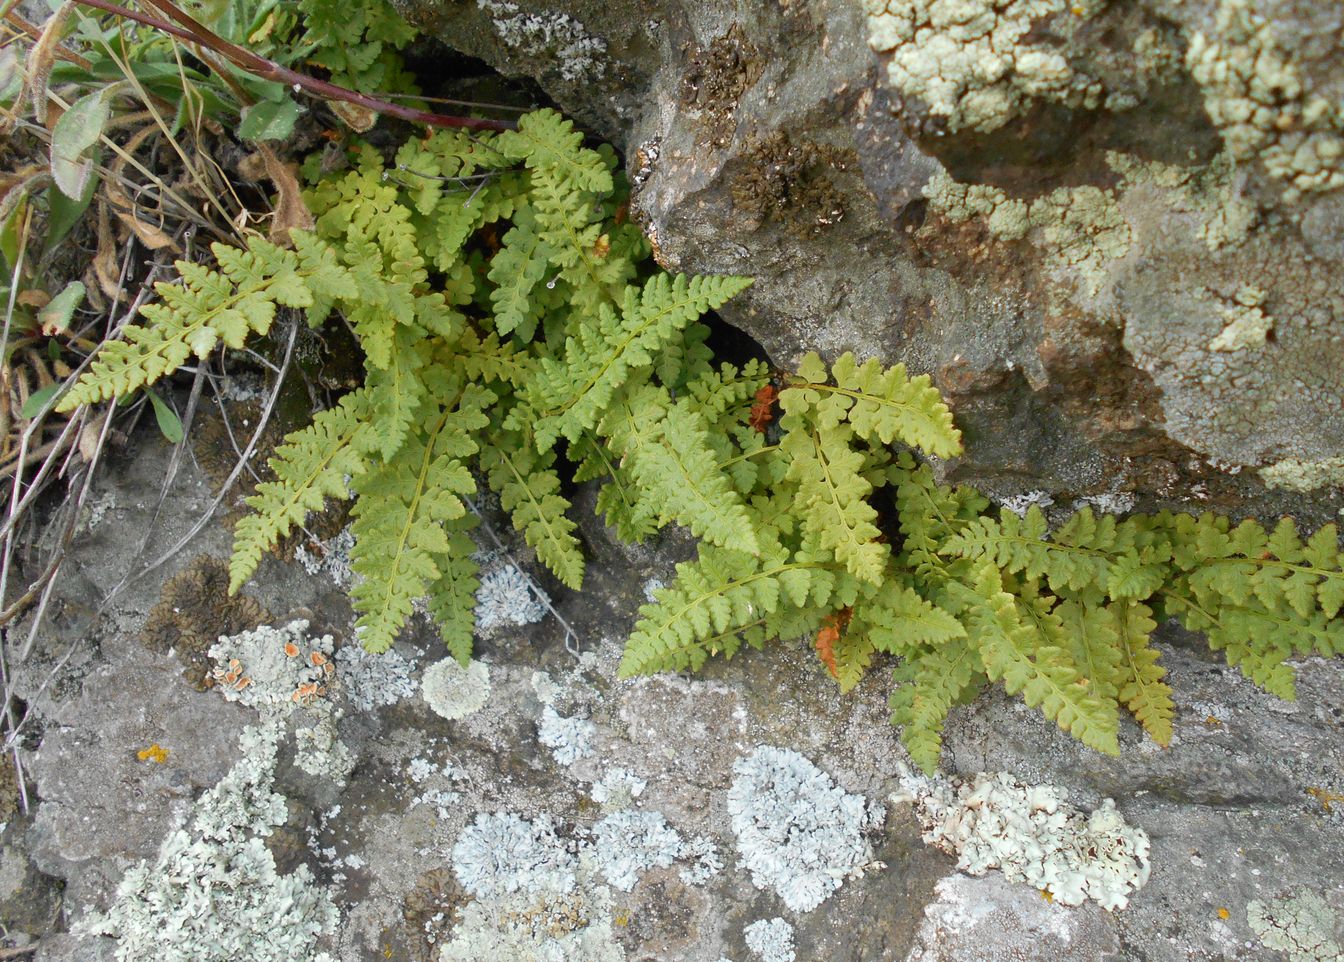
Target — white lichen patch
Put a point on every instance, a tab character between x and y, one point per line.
507	597
797	832
1020	504
569	739
213	893
556	37
617	789
1258	98
273	669
1293	474
628	843
501	854
1302	926
455	692
331	559
1033	835
284	673
975	62
704	858
372	681
770	940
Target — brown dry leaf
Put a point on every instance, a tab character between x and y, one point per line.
90	433
290	210
34	297
40	62
357	118
105	268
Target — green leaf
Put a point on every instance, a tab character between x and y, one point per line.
169	423
72	140
38	399
270	120
55	316
64	213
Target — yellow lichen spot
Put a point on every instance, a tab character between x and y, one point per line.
387	951
1048	895
1213	722
1224	914
154	753
1325	797
622	919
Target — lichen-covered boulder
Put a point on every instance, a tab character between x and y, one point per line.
1112	232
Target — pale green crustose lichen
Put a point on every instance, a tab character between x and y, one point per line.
1302	926
1258	98
1294	474
1248	325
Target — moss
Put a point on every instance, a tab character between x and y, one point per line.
790	182
194	609
430	909
717	76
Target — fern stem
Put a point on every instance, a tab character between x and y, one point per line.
749	454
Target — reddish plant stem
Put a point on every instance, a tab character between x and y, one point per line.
188	29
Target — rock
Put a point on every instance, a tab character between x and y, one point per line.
1129	175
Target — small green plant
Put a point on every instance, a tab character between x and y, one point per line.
510	323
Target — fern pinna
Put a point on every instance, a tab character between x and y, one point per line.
513	332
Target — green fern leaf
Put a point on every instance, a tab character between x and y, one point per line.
928	686
312	465
520	264
403	503
527	484
193	318
902	621
452	597
1014	652
1141	688
573	390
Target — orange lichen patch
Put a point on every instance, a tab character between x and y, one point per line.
1213	722
1224	914
762	410
154	753
1048	896
305	693
291	649
317	659
1325	797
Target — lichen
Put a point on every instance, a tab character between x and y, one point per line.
555	37
455	692
1033	835
282	672
797	832
628	843
503	854
1293	474
1257	97
705	860
1079	229
194	609
330	558
213	894
371	681
617	789
1302	926
569	739
770	940
1247	323
506	597
977	64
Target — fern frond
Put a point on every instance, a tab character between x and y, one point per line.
547	142
928	686
206	309
313	464
572	391
1142	690
451	597
1014	652
667	450
519	266
903	622
716	596
403	503
396	393
881	405
833	494
526	483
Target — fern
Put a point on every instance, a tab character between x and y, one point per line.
502	306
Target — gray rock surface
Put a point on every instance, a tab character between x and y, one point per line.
1142	294
1243	807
